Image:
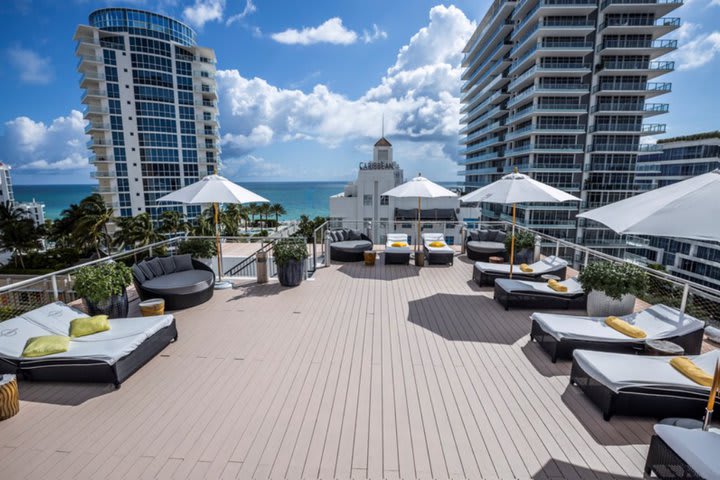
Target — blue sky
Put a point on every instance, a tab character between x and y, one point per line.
303	85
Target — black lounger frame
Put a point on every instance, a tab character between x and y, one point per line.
93	371
539	299
438	258
665	463
691	343
396	258
639	401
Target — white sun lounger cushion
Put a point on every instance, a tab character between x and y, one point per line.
620	371
547	264
658	321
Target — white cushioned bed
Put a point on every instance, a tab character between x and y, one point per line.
124	336
658	321
547	264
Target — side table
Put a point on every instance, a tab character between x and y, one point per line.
494	259
9	397
663	348
369	258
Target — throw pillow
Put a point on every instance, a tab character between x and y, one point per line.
354	235
46	345
145	268
139	275
183	262
89	325
483	235
155	267
437	244
474	236
168	265
500	237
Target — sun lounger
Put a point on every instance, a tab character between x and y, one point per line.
511	292
397	255
559	334
106	357
486	273
640	385
677	452
437	255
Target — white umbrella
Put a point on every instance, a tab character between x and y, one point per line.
214	189
420	187
517	188
687	209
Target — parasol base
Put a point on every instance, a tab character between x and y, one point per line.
223	285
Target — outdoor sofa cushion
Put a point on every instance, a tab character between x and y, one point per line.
352	245
183	262
168	265
485	247
696	447
155	267
180	283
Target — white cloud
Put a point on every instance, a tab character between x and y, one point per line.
249	9
32	67
715	3
203	11
376	34
331	31
417	96
27	144
251	166
696	48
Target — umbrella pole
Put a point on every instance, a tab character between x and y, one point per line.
512	242
417	241
218	247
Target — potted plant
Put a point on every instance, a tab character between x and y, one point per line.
290	255
612	287
201	249
102	288
524	246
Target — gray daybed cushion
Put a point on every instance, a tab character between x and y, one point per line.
698	448
181	283
182	263
485	246
354	235
168	265
155	267
145	268
353	245
139	274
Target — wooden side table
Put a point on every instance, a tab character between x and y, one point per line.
9	397
663	348
369	257
495	259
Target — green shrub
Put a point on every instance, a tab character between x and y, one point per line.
101	281
198	248
523	240
286	250
614	279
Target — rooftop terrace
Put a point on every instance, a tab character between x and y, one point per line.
361	372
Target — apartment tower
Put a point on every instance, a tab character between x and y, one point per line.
150	101
562	90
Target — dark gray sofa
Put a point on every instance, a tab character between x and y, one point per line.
348	245
480	245
180	280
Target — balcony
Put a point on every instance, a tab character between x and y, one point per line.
92	93
544	148
644	26
95	110
644	129
479	159
103	174
97	127
647	109
91	79
658	7
624	147
560	129
650	69
88	61
649	89
101	159
99	142
651	48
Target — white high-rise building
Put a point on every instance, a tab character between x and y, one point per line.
34	209
150	99
6	188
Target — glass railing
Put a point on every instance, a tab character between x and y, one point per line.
561	106
639	86
93	92
480	158
96	126
624	147
94	109
606	3
652	128
642	65
637	44
522	77
641	22
485	103
562	44
99	142
92	76
543	146
556	166
488	41
566	23
631	107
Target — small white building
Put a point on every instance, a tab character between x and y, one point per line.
34	210
6	188
362	204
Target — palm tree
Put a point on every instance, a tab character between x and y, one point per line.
231	217
205	224
9	213
136	232
20	236
62	230
92	226
245	215
264	210
173	222
252	209
277	209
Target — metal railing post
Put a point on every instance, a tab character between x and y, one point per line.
56	295
557	248
587	258
683	302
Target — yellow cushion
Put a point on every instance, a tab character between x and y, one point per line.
437	244
625	328
555	285
686	366
46	345
89	325
399	244
526	268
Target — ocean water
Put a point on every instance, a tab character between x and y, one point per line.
298	198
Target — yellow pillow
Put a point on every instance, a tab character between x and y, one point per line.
399	244
625	328
526	268
555	285
688	368
437	244
89	325
46	345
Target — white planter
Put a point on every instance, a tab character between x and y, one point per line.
600	305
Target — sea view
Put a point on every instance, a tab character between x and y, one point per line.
298	198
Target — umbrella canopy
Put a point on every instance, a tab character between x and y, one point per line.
686	209
213	189
420	187
517	188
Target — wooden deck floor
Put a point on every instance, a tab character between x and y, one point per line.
362	372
